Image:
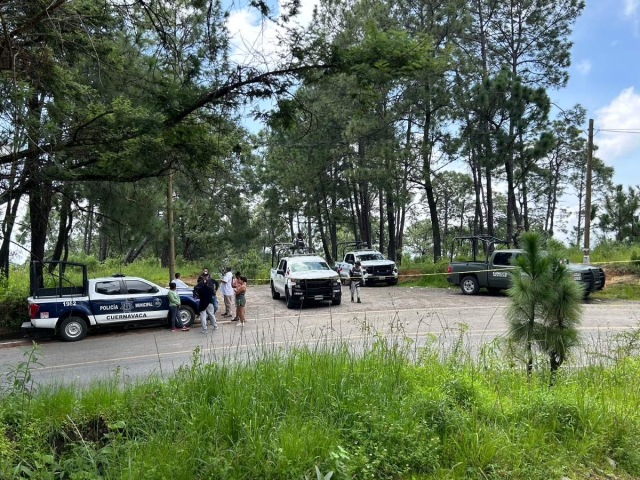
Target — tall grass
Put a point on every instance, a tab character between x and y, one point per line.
384	411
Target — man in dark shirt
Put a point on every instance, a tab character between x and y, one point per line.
205	291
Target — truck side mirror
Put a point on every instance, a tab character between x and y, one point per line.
280	272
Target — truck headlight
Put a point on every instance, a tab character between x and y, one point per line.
336	283
577	276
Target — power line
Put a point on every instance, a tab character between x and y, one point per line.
619	130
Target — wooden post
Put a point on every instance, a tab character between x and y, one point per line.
587	201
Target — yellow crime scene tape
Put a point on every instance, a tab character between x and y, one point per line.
374	277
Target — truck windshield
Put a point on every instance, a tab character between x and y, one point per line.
307	266
366	257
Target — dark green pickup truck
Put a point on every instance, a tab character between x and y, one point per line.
489	261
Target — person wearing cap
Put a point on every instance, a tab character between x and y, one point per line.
205	291
355	275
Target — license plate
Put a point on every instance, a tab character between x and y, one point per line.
318	297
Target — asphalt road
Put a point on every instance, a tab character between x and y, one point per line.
437	316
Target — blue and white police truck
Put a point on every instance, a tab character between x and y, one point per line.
70	304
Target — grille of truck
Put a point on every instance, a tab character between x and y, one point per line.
317	287
383	270
599	277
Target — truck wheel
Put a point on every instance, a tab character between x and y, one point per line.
275	295
187	315
469	285
336	300
73	329
290	302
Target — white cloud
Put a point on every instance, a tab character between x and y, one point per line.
255	40
621	114
584	67
632	11
631	7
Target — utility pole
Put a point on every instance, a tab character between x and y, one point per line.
587	200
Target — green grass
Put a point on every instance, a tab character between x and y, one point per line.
619	291
423	274
384	413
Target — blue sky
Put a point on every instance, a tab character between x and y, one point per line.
605	78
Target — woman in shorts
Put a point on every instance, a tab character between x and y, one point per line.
239	292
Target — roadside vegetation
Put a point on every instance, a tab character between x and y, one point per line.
393	411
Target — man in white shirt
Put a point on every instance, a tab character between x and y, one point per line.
227	291
179	283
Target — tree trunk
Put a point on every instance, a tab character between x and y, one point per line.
525	205
104	244
172	245
88	230
130	258
391	227
489	201
39	211
8	223
478	224
65	224
381	229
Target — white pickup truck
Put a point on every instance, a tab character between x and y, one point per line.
375	267
299	276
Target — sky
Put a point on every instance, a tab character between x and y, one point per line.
605	79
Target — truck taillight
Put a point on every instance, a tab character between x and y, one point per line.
33	310
449	269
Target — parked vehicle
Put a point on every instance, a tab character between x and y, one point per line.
299	275
376	268
69	303
485	261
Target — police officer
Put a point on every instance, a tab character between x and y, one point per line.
355	275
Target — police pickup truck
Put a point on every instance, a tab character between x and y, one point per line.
68	303
299	275
375	267
485	261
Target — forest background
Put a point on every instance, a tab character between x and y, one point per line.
400	124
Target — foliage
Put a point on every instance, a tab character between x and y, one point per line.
545	305
380	413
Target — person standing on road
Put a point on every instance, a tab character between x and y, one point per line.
205	292
174	305
234	285
227	291
240	290
355	277
179	283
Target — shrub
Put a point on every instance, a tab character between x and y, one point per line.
13	309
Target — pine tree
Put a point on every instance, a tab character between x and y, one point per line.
545	305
